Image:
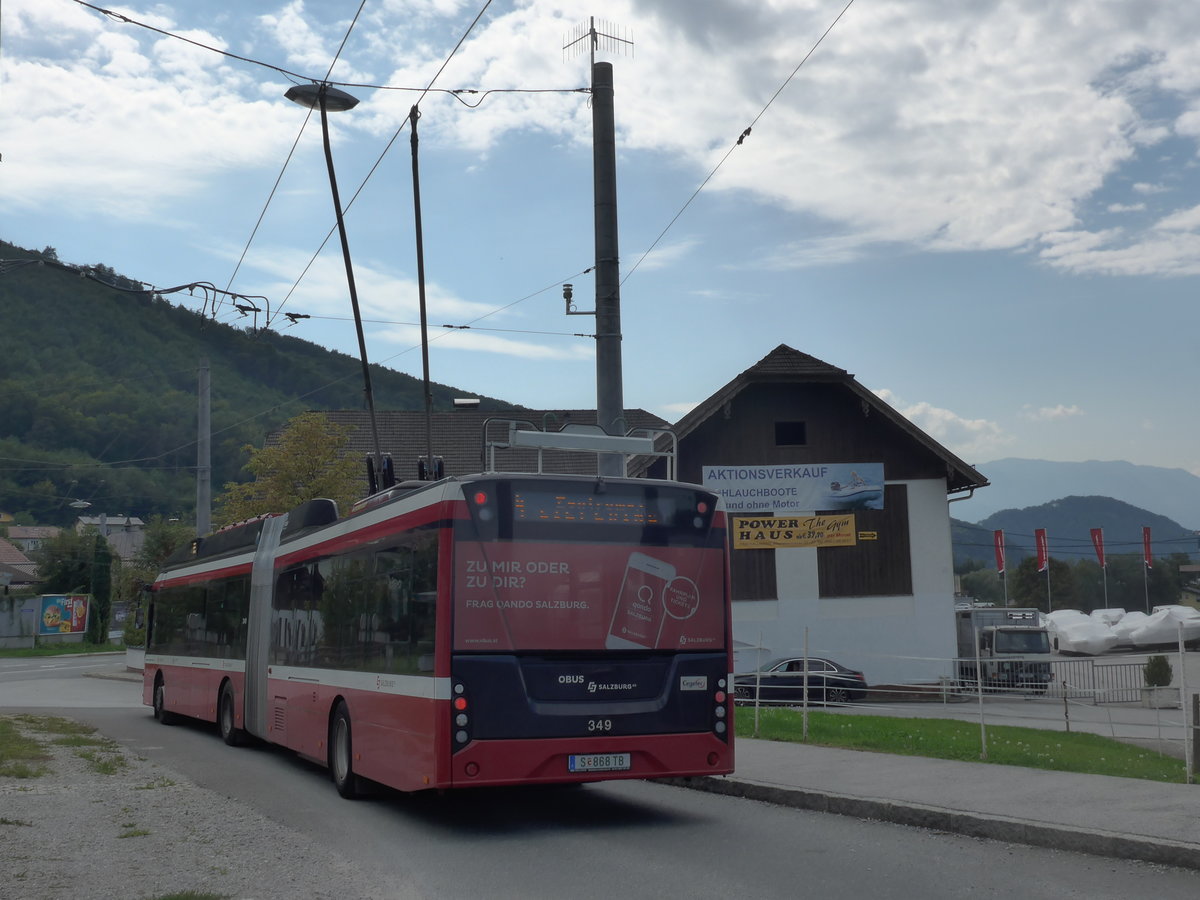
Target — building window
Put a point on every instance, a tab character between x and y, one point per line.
790	434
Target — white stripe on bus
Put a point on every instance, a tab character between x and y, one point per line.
421	686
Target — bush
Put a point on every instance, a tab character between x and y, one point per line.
135	628
1157	672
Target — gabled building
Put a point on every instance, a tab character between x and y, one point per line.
883	604
16	569
31	537
125	534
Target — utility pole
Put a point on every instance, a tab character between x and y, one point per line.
610	399
204	455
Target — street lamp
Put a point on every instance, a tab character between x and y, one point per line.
327	99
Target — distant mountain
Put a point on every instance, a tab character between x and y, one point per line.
1019	483
1068	523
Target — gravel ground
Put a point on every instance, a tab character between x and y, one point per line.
137	830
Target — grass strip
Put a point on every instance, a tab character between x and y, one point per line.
20	755
950	739
58	650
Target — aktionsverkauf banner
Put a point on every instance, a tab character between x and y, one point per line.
817	487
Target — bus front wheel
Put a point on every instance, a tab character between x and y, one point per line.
341	755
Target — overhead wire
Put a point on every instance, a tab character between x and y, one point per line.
737	143
298	76
291	152
386	149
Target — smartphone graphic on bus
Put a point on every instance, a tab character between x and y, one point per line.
637	617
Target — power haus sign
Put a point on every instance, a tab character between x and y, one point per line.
775	532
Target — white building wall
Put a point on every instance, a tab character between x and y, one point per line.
893	640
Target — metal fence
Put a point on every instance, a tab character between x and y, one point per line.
1099	681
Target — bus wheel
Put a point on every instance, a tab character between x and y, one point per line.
341	755
161	712
230	733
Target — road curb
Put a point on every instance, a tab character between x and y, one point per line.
1092	841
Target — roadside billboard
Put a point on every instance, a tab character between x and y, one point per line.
63	614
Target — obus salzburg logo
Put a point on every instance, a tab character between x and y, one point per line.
593	687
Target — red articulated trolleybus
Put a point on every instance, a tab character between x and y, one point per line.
491	629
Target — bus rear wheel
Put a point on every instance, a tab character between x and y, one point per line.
230	733
341	755
161	712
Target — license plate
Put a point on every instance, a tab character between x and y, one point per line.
598	762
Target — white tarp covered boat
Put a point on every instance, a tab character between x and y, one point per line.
1164	624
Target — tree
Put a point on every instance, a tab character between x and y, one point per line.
163	537
984	585
305	464
1028	586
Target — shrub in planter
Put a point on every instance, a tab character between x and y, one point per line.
1157	672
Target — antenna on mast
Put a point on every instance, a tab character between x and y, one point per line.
610	37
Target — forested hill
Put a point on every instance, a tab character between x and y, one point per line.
98	392
1068	523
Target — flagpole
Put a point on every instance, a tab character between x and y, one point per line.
1146	585
1147	556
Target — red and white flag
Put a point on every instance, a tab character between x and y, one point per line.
998	536
1098	543
1147	554
1043	549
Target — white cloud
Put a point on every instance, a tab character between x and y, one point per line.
1051	413
966	438
673	412
916	122
1183	220
1126	207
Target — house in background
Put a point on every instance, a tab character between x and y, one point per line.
885	604
125	534
31	537
16	569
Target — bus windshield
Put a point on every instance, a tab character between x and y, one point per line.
585	564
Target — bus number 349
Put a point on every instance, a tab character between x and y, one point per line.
596	725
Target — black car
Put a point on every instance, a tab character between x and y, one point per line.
782	681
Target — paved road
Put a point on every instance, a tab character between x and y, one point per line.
629	839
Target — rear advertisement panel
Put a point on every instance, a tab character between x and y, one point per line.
545	596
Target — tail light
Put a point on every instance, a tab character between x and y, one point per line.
720	699
461	718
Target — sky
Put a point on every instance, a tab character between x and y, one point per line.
988	212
